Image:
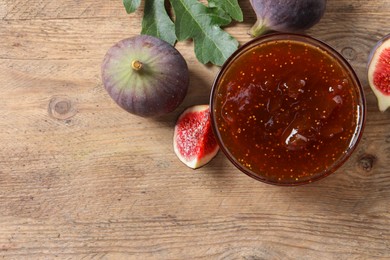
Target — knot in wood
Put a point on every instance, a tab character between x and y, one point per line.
349	53
366	162
61	107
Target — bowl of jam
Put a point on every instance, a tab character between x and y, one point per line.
287	109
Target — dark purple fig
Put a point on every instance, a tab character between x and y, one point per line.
146	76
286	15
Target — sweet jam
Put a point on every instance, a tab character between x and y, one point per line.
286	111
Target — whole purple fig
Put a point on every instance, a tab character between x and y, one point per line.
286	15
145	76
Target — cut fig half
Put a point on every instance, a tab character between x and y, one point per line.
379	72
194	142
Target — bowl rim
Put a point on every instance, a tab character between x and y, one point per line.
362	107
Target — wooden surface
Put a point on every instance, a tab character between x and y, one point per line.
82	179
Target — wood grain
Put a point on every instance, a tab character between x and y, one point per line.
82	179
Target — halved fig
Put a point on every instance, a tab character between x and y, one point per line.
193	141
379	72
145	76
286	16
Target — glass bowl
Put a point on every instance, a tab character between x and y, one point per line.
287	109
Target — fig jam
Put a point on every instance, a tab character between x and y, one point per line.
286	111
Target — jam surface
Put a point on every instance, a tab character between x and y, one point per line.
286	111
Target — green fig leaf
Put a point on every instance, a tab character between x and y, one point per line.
231	7
194	21
156	21
218	16
131	5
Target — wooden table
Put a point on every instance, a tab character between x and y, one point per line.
82	178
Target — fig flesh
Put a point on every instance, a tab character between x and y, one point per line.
145	76
286	15
379	72
194	142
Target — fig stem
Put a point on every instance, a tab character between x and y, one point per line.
258	28
136	65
